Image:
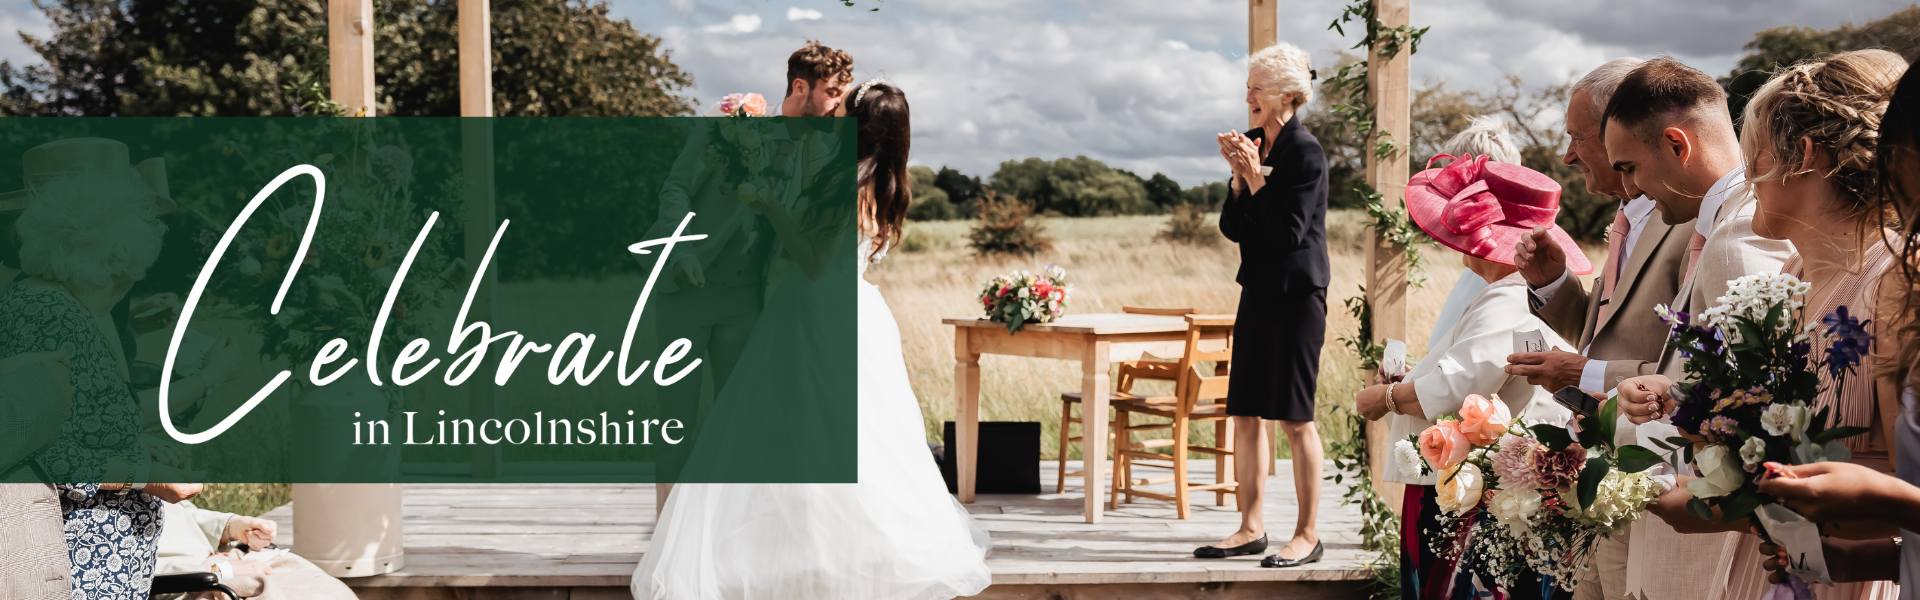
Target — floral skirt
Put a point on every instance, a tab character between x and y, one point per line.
1426	575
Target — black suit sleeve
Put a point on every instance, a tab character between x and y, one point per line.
1283	206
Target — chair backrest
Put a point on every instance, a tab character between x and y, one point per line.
1198	386
1200	346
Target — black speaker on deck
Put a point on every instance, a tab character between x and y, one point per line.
1009	458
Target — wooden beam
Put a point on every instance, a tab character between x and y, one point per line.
1263	29
350	54
476	142
476	59
1387	83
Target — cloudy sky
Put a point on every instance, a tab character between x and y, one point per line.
1142	84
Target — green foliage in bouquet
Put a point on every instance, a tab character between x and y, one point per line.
1751	389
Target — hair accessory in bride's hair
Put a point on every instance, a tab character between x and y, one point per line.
857	96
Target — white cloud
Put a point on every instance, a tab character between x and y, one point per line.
795	13
1144	84
747	23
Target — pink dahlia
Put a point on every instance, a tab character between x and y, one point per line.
1513	464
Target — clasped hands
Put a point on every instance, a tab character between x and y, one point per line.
1243	157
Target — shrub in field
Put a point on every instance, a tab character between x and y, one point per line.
1004	228
919	240
1188	225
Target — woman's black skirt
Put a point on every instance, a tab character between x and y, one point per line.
1276	354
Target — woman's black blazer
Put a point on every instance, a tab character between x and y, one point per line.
1282	230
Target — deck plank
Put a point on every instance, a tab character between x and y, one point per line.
591	535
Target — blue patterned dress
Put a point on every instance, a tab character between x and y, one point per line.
111	536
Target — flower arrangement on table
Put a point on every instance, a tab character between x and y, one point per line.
742	147
1749	399
1552	491
368	222
1021	297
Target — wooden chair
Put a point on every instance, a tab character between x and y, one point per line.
1130	372
1198	398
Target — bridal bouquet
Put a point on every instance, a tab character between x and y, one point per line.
1020	297
1552	491
742	148
1751	393
1751	389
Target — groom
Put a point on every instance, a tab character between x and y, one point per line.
716	289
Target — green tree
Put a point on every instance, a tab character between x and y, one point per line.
1074	187
1163	191
268	57
962	190
930	203
1773	48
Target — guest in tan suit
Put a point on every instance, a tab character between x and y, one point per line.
1668	132
1619	334
33	550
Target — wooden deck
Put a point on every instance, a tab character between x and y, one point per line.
579	542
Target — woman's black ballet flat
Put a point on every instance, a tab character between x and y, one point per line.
1253	547
1275	562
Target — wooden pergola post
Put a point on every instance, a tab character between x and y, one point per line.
1263	29
476	149
350	54
1387	82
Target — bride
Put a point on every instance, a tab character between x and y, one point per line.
895	535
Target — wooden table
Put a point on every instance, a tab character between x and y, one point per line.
1096	340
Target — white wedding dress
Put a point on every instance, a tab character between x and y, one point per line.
895	535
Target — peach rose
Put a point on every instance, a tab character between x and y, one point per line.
1443	445
1483	421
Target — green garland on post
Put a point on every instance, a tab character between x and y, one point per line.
1379	526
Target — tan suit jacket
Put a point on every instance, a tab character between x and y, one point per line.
1632	336
33	545
1732	251
1662	563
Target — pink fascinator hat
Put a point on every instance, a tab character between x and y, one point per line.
1483	208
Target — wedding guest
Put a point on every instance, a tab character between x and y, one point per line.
1668	131
1483	135
1614	321
1276	211
84	241
33	404
197	540
1843	187
1469	360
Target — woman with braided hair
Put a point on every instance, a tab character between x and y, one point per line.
1809	137
896	534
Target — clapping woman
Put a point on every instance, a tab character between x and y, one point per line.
1277	212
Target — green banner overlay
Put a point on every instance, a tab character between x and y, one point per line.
428	299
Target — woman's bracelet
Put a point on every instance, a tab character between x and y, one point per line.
1392	406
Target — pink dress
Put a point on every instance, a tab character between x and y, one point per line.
1856	405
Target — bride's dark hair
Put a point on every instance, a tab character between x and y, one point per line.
886	136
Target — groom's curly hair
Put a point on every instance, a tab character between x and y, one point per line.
816	62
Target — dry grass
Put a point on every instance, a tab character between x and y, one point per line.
1111	261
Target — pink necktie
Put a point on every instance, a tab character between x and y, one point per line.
1693	252
1616	254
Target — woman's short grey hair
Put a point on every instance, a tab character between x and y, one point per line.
89	229
1483	135
1603	80
1287	69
